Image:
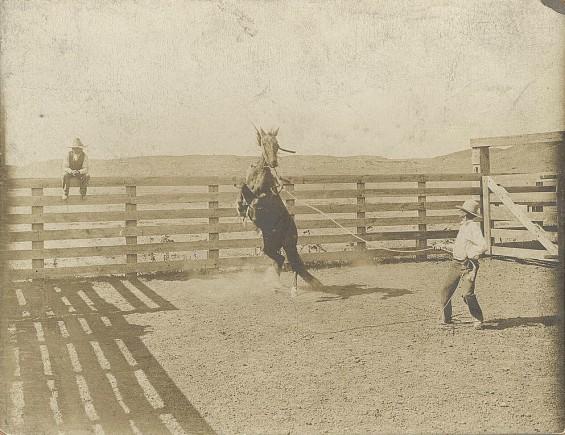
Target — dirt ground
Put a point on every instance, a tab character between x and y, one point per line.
226	353
366	355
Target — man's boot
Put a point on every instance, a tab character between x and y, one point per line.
474	308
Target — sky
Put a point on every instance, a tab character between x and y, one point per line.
398	78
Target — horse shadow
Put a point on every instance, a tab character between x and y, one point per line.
340	292
526	322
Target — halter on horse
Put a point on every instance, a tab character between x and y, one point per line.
259	199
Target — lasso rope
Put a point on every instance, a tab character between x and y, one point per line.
355	235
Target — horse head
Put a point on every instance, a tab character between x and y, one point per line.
270	146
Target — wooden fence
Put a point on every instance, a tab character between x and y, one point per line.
194	220
506	236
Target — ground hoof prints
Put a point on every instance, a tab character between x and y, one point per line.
83	367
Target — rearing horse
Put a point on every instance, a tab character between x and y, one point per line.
259	199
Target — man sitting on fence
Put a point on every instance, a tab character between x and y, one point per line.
75	165
469	245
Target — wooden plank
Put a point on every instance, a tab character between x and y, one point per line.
319	257
389	192
179	265
186	213
256	242
535	254
158	230
529	202
530	189
519	235
219	212
202	197
524	175
381	178
157	198
114	216
383	206
26	201
503	141
73	252
15	183
66	217
501	213
522	217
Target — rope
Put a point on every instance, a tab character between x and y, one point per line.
355	235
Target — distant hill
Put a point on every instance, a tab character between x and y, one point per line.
523	158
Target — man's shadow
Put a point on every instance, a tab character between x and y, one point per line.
340	292
516	322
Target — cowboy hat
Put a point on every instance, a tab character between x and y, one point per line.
77	144
472	207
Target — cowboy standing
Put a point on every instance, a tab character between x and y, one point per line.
468	247
75	164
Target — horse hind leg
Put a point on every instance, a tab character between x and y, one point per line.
300	269
273	275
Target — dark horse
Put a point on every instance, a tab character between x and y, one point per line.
259	199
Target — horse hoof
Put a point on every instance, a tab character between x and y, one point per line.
293	292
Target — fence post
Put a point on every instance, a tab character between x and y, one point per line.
39	263
131	207
213	254
481	164
361	229
422	227
289	202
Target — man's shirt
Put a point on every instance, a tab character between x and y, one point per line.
72	160
470	242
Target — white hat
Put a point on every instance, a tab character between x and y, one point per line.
472	207
77	144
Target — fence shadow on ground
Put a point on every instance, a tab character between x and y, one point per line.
76	364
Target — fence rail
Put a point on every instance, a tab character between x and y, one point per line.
205	224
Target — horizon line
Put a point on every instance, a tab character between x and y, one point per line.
246	155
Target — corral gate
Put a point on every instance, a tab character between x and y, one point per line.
521	212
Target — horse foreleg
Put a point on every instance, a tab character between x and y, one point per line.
271	248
